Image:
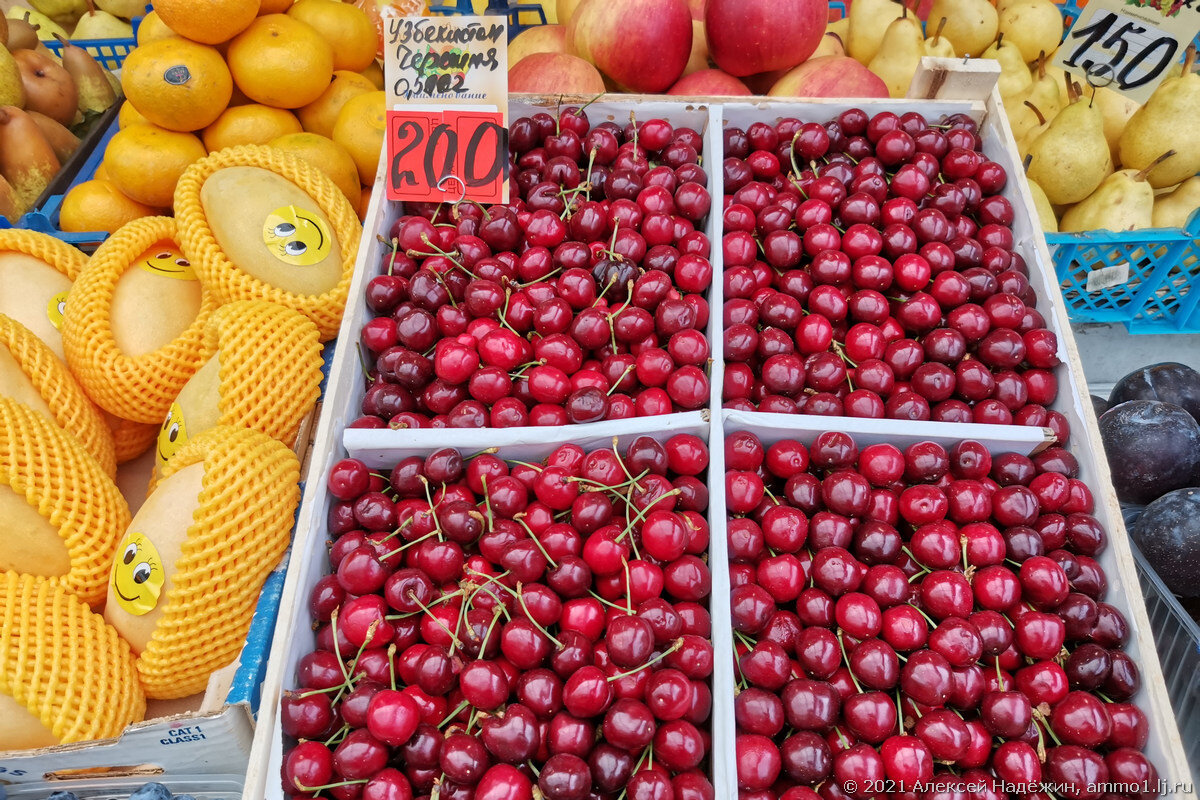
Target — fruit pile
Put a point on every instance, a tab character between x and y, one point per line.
920	617
491	625
46	101
870	271
300	76
581	300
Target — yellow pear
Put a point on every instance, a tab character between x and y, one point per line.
1116	109
1034	26
831	45
12	90
102	25
971	25
839	27
899	54
869	21
937	45
1021	117
1167	120
1044	210
1172	210
1124	201
45	27
64	12
1030	134
1015	79
1070	158
1044	92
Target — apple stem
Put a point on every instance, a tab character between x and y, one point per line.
1142	173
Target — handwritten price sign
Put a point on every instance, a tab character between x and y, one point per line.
447	155
1129	47
447	83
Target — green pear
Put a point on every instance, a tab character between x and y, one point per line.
102	25
1167	120
1124	201
939	46
899	54
126	9
1015	79
1021	118
1070	158
869	21
1041	204
1172	210
1034	26
971	25
45	27
12	90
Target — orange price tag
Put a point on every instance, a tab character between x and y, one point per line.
447	156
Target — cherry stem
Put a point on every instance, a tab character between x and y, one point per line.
487	633
899	711
340	733
391	654
520	594
675	646
744	639
628	587
304	788
454	640
846	660
454	713
928	618
613	388
641	515
536	541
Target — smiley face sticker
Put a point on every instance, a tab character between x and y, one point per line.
55	308
297	237
137	575
166	259
172	436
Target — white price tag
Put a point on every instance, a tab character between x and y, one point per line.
1129	47
1107	277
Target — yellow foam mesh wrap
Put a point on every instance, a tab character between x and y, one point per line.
226	279
239	533
270	359
64	663
55	475
55	252
131	439
73	410
141	388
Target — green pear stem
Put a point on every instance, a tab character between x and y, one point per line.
841	43
999	41
1041	117
1144	171
1041	64
1028	160
1189	59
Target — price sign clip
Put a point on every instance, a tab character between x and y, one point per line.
1129	46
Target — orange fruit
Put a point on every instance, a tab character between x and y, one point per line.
347	28
280	61
101	173
145	161
274	6
127	115
98	205
177	84
364	203
360	128
152	28
374	73
248	124
319	115
326	154
209	22
380	11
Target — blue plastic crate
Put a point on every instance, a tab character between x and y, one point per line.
515	10
109	53
1162	293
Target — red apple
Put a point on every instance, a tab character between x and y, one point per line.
750	36
555	73
697	8
642	45
710	83
830	76
538	39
